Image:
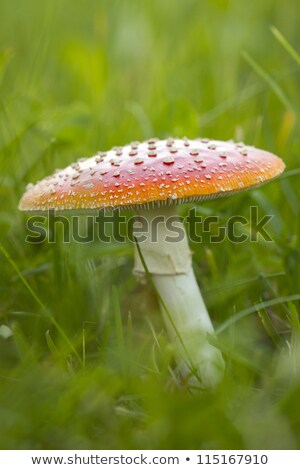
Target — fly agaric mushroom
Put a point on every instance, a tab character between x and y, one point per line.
151	178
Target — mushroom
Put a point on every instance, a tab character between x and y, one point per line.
152	178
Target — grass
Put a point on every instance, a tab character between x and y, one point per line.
84	359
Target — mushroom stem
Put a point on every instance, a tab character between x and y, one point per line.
164	247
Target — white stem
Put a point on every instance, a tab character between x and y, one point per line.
169	263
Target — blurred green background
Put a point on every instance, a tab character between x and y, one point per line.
84	359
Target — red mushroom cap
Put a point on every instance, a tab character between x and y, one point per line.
154	172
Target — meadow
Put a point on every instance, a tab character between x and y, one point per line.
85	362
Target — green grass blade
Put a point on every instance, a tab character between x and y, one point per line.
269	80
287	174
286	45
39	302
293	318
24	348
262	277
52	347
232	354
83	347
269	327
248	311
118	322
